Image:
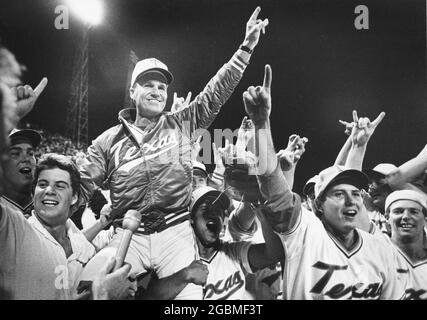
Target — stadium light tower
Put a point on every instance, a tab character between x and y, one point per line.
91	12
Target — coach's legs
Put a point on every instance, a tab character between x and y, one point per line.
137	255
174	249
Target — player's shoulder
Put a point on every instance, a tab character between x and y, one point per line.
109	136
378	244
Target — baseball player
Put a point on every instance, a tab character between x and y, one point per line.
222	266
147	162
19	170
326	256
407	210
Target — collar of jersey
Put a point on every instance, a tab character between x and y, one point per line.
413	265
354	250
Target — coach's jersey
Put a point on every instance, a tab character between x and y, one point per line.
227	269
416	288
317	266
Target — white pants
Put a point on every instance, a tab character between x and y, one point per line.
165	252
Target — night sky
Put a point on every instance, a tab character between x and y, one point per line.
323	67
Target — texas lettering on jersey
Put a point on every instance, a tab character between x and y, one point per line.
133	155
224	288
339	290
412	294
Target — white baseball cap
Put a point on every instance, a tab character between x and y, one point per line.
151	66
18	135
200	166
208	192
380	170
309	185
418	197
339	174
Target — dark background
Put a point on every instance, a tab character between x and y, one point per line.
323	67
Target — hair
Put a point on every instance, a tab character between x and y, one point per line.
52	161
317	204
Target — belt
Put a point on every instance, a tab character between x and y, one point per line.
157	221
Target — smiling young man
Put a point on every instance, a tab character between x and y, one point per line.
327	257
407	212
19	170
42	257
146	160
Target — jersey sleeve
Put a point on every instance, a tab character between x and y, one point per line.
281	204
238	251
202	111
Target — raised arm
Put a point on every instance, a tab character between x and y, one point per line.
265	254
290	156
343	154
283	205
202	111
409	171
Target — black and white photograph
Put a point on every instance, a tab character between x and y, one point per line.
213	150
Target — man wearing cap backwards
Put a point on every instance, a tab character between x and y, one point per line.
407	211
147	161
19	170
326	256
223	265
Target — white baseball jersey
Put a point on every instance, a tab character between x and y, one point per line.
317	266
227	269
416	288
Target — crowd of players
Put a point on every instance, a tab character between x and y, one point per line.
240	232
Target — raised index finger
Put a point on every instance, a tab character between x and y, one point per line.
254	15
267	77
40	87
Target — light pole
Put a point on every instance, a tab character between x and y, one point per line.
77	117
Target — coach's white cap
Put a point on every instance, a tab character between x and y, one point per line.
152	69
209	193
339	174
418	197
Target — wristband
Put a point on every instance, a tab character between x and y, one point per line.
246	49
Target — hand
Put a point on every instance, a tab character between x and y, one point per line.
258	100
348	126
253	29
105	217
245	134
293	152
115	285
217	158
27	97
197	272
286	159
363	128
300	147
179	103
227	153
196	147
